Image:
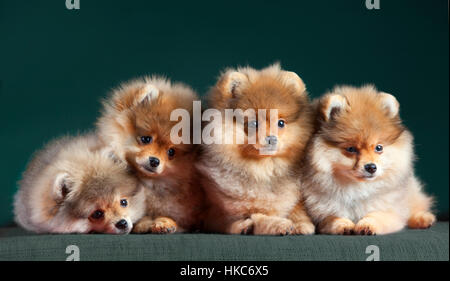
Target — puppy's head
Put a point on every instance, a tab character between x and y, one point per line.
361	134
102	194
138	125
270	111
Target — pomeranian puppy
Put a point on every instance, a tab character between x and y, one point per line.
358	176
251	186
136	123
73	186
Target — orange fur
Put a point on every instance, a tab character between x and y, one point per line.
248	192
142	108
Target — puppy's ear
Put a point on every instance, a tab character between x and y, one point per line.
62	186
109	153
390	103
332	104
232	83
148	93
293	80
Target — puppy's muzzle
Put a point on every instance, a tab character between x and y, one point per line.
122	224
270	146
371	168
271	140
154	162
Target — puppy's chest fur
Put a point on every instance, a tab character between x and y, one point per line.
239	193
174	199
325	197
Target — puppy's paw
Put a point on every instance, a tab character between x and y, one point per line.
421	220
337	226
163	226
367	226
241	227
143	226
271	225
304	228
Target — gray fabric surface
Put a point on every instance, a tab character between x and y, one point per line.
430	244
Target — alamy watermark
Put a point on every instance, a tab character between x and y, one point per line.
73	4
374	253
373	4
229	126
73	252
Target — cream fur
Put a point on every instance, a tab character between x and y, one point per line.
40	204
381	205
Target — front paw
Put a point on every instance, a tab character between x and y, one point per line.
337	226
163	226
304	228
143	226
366	226
244	226
271	225
421	220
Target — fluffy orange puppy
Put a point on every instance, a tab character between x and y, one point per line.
358	176
136	125
250	186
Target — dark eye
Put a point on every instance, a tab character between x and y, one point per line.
281	123
253	124
98	214
351	149
171	152
146	139
379	148
123	202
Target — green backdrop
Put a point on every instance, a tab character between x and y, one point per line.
56	64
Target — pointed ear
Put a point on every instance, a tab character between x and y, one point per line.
331	105
292	79
62	186
390	103
148	93
232	83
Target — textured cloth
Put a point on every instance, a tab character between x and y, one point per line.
430	244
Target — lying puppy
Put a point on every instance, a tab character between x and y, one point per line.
358	175
250	186
73	186
136	125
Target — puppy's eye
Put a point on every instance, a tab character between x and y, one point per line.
123	202
97	214
146	139
253	124
351	149
379	148
281	123
171	152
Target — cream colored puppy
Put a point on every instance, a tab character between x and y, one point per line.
74	186
358	175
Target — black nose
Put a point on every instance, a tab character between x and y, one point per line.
154	162
271	140
122	224
371	168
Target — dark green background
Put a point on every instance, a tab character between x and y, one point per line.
56	64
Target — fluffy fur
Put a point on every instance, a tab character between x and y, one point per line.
71	179
341	195
142	108
249	192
